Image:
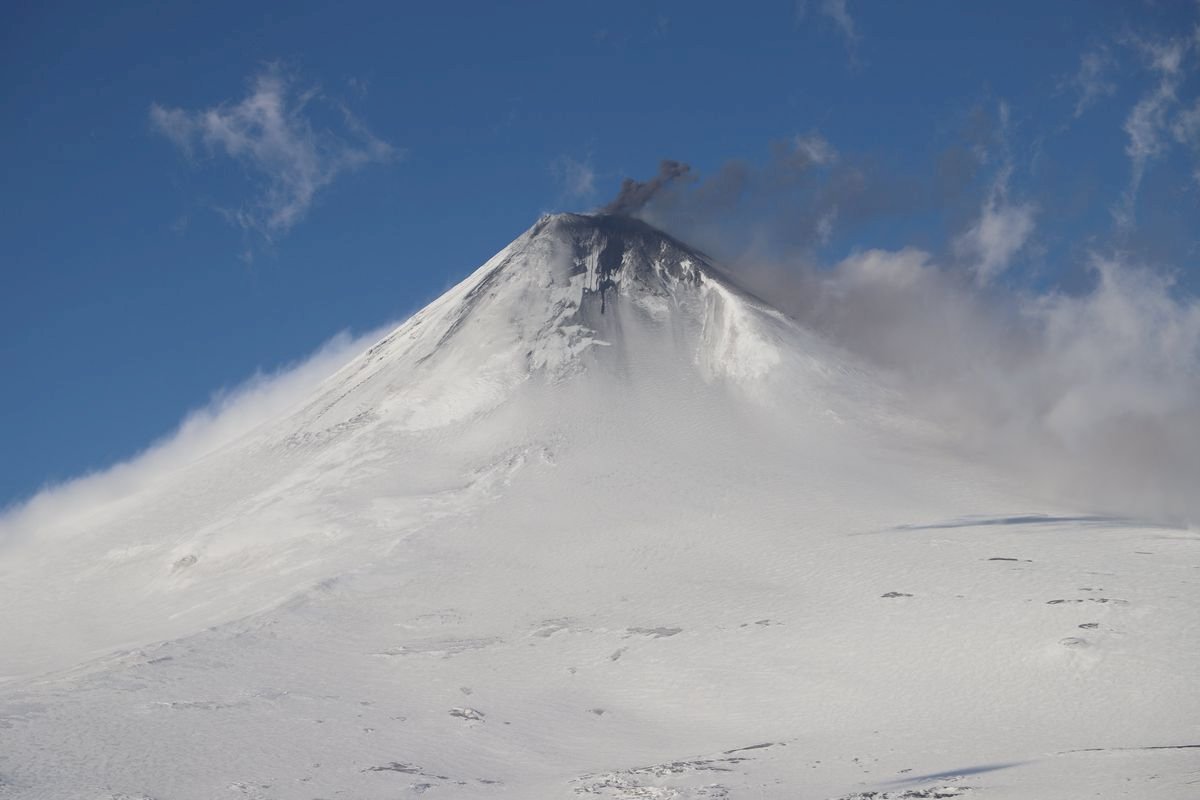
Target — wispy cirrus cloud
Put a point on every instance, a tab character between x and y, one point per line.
1148	127
816	148
1002	229
576	178
1186	130
838	13
1092	81
271	132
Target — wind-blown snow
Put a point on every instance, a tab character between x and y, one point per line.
548	539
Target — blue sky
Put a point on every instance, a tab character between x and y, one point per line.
194	192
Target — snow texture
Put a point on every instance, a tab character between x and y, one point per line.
597	523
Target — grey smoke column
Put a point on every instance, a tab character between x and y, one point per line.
635	194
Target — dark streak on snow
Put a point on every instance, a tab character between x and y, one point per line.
1131	749
396	766
750	747
657	633
1114	601
1032	519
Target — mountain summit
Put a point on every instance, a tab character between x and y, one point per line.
561	276
573	292
596	522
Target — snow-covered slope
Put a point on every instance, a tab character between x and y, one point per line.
596	523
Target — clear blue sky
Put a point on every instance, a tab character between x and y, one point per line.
193	191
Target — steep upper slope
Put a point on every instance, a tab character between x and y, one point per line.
538	308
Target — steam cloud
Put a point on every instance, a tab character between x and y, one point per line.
1090	397
634	195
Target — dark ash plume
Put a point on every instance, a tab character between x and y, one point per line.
635	194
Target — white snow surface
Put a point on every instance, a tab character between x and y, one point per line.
521	548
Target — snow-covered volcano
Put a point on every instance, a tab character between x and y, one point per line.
596	522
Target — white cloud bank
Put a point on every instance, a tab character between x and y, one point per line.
271	134
1093	398
230	415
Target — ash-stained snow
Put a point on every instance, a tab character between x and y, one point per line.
558	538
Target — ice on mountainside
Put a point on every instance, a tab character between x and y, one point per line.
597	523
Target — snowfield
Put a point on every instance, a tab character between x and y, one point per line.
526	548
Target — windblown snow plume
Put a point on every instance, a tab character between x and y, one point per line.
231	414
